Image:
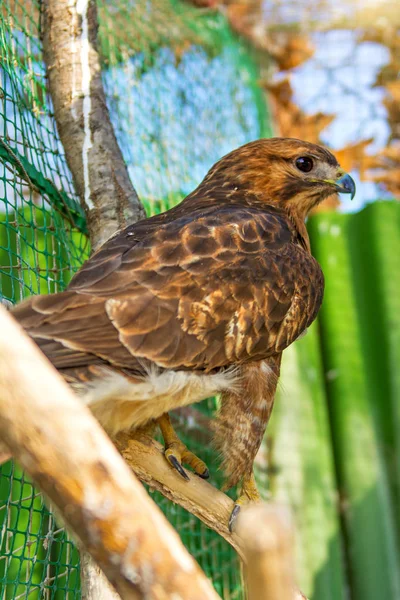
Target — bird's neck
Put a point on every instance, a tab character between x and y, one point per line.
300	226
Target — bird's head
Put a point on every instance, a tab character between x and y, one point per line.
286	172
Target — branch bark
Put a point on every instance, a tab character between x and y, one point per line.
267	546
60	444
83	121
94	584
263	537
145	456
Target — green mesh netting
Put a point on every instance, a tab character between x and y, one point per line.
182	91
40	248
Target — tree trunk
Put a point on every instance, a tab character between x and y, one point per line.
83	120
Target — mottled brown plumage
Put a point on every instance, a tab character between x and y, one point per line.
201	299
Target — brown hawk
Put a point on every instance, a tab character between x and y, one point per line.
197	301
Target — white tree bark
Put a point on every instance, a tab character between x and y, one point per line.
83	121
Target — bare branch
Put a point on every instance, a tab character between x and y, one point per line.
262	530
83	120
60	444
94	584
145	457
267	543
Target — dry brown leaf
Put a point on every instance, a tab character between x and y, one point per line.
290	120
243	15
353	156
310	127
393	87
388	73
213	4
390	179
393	116
387	36
289	49
281	91
388	76
384	168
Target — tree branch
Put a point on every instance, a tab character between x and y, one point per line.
146	458
267	543
94	584
60	444
83	121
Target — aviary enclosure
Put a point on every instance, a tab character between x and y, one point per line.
186	82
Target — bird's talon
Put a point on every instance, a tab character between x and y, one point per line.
176	452
204	475
233	517
174	462
249	495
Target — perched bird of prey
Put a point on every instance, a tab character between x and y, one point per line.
199	300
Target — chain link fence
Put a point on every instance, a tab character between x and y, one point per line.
183	89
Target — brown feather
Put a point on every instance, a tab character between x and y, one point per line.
242	418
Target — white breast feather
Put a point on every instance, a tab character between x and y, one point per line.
120	404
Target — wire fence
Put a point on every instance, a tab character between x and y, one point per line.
39	251
183	89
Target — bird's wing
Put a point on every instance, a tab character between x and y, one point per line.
199	291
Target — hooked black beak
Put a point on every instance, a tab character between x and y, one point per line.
346	185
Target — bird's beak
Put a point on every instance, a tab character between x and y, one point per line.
345	185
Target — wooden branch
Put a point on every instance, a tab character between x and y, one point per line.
83	121
262	529
267	543
145	456
59	443
94	584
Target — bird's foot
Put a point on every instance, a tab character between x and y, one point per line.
248	494
177	453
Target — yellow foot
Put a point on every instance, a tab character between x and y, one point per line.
177	453
249	494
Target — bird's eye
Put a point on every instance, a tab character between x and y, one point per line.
305	164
